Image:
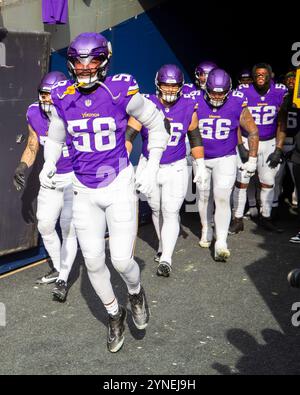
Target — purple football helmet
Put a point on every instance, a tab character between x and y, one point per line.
245	77
218	87
84	48
45	86
169	74
201	73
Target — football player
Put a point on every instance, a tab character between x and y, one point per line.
221	111
245	77
201	73
168	195
95	110
264	101
51	203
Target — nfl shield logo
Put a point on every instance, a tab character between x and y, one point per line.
88	103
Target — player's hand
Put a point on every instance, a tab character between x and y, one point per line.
275	158
243	152
46	175
146	180
201	174
250	166
19	176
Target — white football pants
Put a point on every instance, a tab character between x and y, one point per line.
115	206
218	190
165	201
52	204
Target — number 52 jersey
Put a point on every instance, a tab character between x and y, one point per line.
96	124
264	108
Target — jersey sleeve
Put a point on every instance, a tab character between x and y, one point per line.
125	85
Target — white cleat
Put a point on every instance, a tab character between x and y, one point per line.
206	237
221	253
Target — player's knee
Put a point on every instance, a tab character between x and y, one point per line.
122	265
46	227
95	264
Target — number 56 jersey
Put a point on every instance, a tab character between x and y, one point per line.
218	125
96	124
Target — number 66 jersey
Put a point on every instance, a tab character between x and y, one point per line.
218	125
96	125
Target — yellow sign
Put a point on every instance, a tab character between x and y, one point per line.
296	97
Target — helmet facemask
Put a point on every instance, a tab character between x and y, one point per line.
88	76
45	101
219	100
198	76
167	94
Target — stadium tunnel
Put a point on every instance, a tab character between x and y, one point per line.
170	32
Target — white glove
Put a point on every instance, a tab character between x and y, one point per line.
202	174
48	171
147	179
249	166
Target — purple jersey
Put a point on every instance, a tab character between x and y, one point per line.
188	88
96	124
264	109
55	11
218	126
39	122
180	117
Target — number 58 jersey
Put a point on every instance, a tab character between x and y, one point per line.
96	124
218	125
264	108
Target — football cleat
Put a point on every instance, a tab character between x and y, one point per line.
60	291
267	224
163	269
206	237
116	328
48	278
236	226
221	252
295	239
139	311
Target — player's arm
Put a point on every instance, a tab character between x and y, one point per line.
195	138
145	112
248	124
32	147
276	157
132	130
27	159
197	150
52	149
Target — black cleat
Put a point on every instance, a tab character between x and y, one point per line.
163	269
157	257
267	224
294	278
139	311
48	278
116	328
60	291
236	226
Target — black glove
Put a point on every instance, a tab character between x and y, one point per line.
244	153
275	158
19	177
